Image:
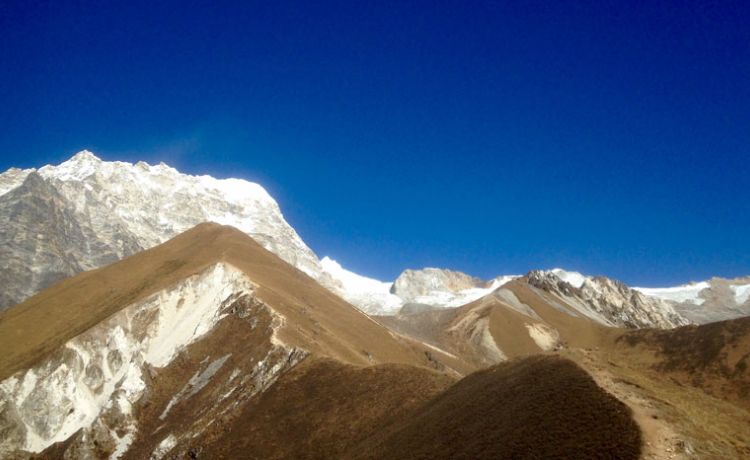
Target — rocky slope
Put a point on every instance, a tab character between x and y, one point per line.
533	314
513	321
607	301
210	346
86	213
413	290
133	360
716	299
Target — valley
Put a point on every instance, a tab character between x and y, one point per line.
136	332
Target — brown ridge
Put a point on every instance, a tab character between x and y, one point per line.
320	321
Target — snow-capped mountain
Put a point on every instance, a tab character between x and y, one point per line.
701	302
706	301
413	289
607	301
442	288
686	293
149	354
369	295
86	213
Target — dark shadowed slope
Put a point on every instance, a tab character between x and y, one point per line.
538	407
321	409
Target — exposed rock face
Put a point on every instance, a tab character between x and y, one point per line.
412	284
99	381
143	356
609	302
717	299
440	288
367	294
86	213
42	240
413	290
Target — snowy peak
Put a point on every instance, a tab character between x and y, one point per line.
413	290
688	293
441	288
84	157
607	301
575	279
78	167
369	295
85	163
13	178
716	299
121	208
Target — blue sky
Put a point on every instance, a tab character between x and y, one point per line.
489	137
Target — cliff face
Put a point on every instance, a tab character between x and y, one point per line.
98	381
42	240
609	301
86	213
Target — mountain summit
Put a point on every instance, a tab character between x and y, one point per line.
85	213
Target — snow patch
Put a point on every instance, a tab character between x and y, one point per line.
122	444
370	295
741	292
687	293
575	279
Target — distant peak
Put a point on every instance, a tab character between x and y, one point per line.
575	279
77	167
85	155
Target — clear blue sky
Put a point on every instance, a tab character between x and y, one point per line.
607	137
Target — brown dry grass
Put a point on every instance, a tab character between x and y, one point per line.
321	409
532	408
714	357
318	320
689	381
696	378
539	407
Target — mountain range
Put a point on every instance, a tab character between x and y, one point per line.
148	313
86	213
